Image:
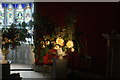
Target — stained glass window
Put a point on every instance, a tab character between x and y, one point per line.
28	15
16	12
19	14
10	14
1	15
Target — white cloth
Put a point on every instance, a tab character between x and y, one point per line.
22	54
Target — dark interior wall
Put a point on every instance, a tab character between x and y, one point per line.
94	19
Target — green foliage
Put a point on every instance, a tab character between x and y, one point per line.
24	24
35	50
13	36
44	51
47	30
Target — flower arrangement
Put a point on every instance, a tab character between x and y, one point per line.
58	42
53	38
13	36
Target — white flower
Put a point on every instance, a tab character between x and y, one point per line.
59	41
63	54
70	44
60	52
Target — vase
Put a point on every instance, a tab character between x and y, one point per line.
60	53
60	57
4	56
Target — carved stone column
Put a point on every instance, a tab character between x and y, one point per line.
113	57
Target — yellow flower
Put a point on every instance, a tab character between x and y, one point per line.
59	41
42	42
72	49
4	49
43	46
5	38
70	44
56	47
47	42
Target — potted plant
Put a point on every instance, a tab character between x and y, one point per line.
12	37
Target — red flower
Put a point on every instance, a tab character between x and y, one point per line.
52	50
36	60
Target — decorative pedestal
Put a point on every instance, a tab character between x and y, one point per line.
59	69
60	57
5	69
37	68
113	58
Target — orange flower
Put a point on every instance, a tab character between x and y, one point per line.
62	44
47	42
3	42
59	41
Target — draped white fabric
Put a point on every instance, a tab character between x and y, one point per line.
0	44
22	54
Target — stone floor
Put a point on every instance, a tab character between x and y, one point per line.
19	66
32	75
28	75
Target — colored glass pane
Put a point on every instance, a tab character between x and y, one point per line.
10	15
28	14
19	14
1	15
